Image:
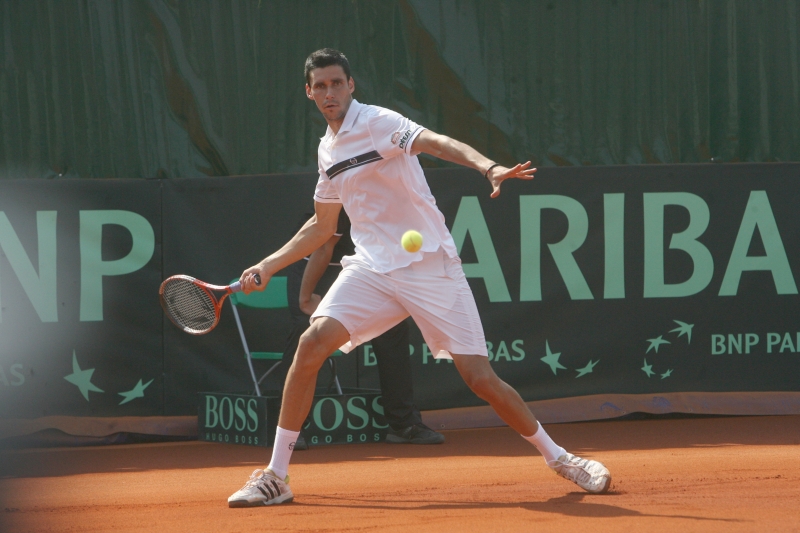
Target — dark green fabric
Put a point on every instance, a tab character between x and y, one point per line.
172	88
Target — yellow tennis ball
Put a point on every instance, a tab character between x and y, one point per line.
411	241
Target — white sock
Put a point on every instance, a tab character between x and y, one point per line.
549	449
282	451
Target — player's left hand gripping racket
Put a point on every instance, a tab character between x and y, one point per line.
194	305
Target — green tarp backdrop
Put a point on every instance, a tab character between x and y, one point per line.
178	88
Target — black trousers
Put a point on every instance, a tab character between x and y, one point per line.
391	353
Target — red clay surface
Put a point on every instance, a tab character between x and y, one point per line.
712	474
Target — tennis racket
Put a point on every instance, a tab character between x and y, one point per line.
194	305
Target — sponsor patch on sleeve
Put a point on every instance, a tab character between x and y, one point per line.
404	139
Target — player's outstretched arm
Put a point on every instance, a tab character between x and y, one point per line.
311	236
449	149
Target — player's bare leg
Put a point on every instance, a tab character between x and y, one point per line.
318	342
478	374
270	486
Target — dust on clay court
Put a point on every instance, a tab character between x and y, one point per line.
693	474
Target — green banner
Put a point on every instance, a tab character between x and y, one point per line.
590	281
80	332
353	417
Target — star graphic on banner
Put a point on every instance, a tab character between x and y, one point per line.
552	359
82	378
648	369
136	392
666	374
587	369
655	343
684	329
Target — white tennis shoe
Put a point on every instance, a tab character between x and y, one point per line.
263	488
591	476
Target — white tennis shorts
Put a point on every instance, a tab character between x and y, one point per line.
433	291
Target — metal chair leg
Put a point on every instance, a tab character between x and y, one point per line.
268	372
246	349
335	376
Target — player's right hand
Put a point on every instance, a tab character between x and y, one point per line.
248	279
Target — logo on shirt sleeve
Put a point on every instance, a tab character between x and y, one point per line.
403	140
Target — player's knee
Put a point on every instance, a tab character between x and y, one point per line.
312	350
483	385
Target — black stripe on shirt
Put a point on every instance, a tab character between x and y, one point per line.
353	162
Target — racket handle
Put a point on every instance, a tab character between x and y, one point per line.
237	286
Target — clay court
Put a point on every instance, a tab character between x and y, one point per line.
688	474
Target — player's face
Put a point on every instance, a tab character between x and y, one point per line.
331	91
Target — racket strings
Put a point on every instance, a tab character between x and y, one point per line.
189	305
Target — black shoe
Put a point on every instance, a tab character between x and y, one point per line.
300	443
416	434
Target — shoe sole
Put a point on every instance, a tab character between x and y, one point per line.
259	503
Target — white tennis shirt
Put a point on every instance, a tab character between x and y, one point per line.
370	169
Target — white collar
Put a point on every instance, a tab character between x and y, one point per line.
349	118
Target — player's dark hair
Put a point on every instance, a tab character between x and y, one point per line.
326	57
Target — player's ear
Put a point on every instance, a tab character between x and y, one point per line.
308	92
351	84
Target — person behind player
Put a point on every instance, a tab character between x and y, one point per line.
391	348
368	165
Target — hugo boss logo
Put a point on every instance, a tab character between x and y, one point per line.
226	413
353	417
356	413
346	419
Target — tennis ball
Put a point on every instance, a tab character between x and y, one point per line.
411	241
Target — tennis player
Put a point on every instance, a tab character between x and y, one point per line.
368	165
390	348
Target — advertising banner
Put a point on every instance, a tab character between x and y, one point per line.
353	417
629	280
80	325
635	280
237	418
